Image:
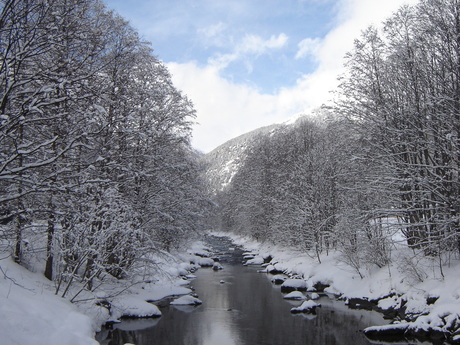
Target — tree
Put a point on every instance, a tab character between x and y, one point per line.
94	142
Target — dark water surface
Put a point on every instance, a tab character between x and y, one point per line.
246	309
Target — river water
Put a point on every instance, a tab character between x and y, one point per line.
245	309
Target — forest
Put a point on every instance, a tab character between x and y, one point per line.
377	166
96	167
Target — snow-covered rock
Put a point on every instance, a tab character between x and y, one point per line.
187	300
294	285
205	262
314	296
136	324
185	268
217	266
386	331
296	295
200	249
306	307
272	269
257	260
133	306
267	257
278	280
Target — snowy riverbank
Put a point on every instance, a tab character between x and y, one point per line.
428	307
32	314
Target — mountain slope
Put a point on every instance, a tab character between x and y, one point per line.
224	161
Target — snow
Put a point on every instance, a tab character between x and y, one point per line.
400	326
217	266
31	313
187	300
278	279
274	268
133	306
200	249
397	280
256	260
297	295
306	307
298	284
314	295
135	324
205	262
389	302
270	268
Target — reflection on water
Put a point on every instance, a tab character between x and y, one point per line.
246	309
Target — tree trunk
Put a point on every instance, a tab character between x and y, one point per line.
49	249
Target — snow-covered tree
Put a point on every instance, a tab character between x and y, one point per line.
94	142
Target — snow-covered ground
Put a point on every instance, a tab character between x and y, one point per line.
31	313
391	285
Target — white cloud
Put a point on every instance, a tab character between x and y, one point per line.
253	44
221	61
308	46
225	109
249	47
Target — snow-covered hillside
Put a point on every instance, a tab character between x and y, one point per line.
224	161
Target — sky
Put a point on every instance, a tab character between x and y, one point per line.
246	64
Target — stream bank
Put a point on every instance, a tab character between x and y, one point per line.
242	306
425	311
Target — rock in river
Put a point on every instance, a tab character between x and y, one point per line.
186	300
306	307
294	285
295	295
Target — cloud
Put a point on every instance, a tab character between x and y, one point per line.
308	46
226	110
253	44
248	48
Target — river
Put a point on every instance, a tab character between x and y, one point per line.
245	308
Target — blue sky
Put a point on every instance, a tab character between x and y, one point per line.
208	31
251	63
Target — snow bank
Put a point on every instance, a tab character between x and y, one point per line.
432	304
31	314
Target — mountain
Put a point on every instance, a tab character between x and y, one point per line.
224	161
